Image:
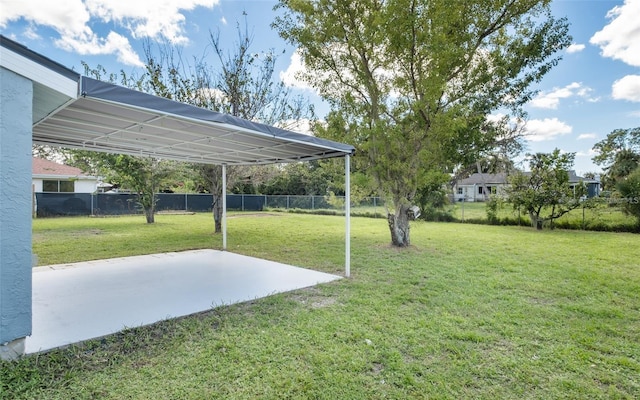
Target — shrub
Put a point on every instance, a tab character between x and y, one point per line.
492	208
435	214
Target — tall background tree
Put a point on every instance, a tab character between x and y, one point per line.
629	190
618	154
411	82
144	176
544	192
237	82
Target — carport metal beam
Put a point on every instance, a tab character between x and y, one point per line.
224	206
347	212
347	215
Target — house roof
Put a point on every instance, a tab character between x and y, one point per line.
484	179
501	179
573	178
50	168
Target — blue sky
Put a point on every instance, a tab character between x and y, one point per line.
594	90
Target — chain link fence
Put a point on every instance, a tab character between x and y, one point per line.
61	204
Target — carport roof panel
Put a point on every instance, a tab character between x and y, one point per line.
112	118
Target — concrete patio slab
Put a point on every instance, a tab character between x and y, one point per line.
80	301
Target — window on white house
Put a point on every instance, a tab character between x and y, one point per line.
58	186
459	190
480	191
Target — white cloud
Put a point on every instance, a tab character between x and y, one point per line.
627	88
589	153
551	100
291	76
303	125
211	94
539	130
223	21
575	48
91	44
31	32
148	18
68	17
620	39
587	136
495	118
74	21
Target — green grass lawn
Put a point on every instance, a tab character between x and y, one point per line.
63	240
468	311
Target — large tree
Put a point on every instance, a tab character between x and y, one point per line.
629	189
144	176
545	192
239	82
411	82
619	154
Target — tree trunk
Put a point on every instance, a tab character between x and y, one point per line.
535	221
399	227
149	213
148	204
217	213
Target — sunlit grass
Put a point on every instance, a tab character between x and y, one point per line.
63	240
468	311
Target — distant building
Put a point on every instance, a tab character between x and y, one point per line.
479	187
51	177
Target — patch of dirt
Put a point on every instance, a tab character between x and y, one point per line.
313	298
253	215
43	236
410	248
542	301
325	302
376	368
85	232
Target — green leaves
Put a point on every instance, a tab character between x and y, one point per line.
144	176
619	153
412	81
629	189
545	192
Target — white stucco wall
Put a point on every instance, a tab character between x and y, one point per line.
86	186
81	185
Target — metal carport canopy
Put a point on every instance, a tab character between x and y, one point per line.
111	118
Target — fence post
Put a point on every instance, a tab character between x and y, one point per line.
287	202
186	202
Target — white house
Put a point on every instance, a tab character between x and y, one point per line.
51	177
478	187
